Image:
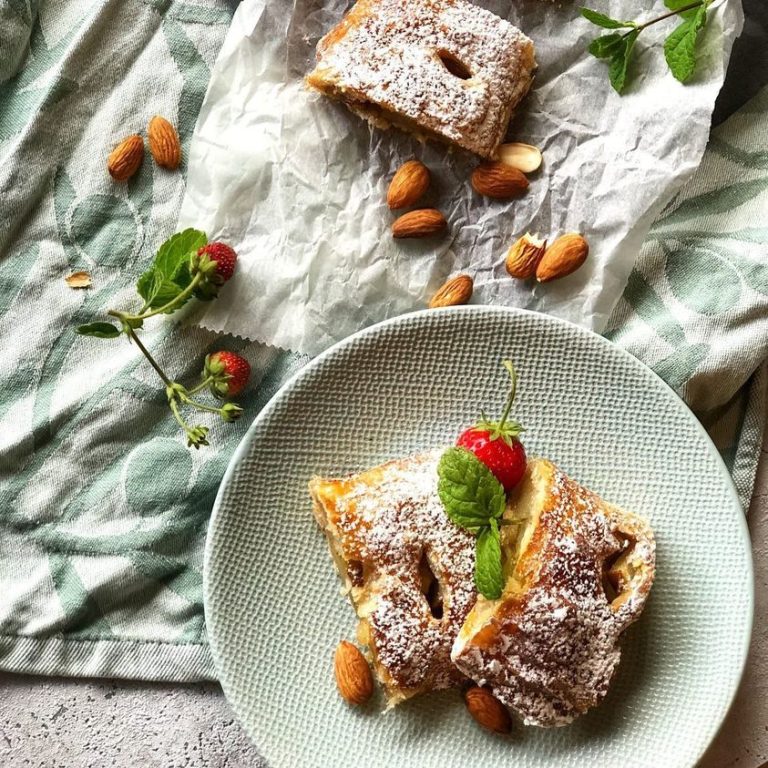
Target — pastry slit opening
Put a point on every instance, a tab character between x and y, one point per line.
454	65
430	587
618	571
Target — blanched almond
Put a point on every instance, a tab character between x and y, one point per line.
524	157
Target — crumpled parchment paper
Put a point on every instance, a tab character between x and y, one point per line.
297	183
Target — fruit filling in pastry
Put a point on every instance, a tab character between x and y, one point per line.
406	568
439	69
576	573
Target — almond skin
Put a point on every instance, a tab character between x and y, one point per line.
423	222
524	157
124	160
487	710
409	183
457	290
524	256
164	143
562	258
499	181
353	675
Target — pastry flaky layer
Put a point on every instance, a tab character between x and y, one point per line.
442	69
406	567
578	571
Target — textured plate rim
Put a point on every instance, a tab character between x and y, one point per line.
478	310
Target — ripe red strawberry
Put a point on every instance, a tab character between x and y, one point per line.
227	372
225	258
496	443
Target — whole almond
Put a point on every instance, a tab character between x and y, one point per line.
353	675
457	290
423	222
524	256
409	183
487	710
524	157
164	143
124	160
499	181
562	258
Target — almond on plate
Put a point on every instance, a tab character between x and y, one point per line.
524	256
408	184
499	181
566	254
353	675
124	160
487	710
457	290
164	143
423	222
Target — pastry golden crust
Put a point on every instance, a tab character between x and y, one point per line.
441	69
577	573
407	568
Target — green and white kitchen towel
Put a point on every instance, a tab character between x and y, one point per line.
103	509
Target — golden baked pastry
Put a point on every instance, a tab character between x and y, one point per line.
440	69
406	567
577	573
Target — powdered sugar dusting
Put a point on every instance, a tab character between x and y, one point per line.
551	649
389	518
392	54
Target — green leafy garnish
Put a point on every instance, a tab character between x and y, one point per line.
474	499
471	494
489	576
679	48
606	22
163	284
99	330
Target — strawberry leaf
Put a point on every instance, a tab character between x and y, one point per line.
470	493
99	330
175	252
489	574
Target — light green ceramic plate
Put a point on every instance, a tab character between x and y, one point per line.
272	597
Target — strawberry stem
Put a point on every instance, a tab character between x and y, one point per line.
145	352
512	392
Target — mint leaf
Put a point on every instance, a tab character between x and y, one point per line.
489	575
99	330
606	22
175	252
675	5
680	46
620	59
606	46
469	491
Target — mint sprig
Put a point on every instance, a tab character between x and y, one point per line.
475	500
679	48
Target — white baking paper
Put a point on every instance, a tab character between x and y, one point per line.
297	183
